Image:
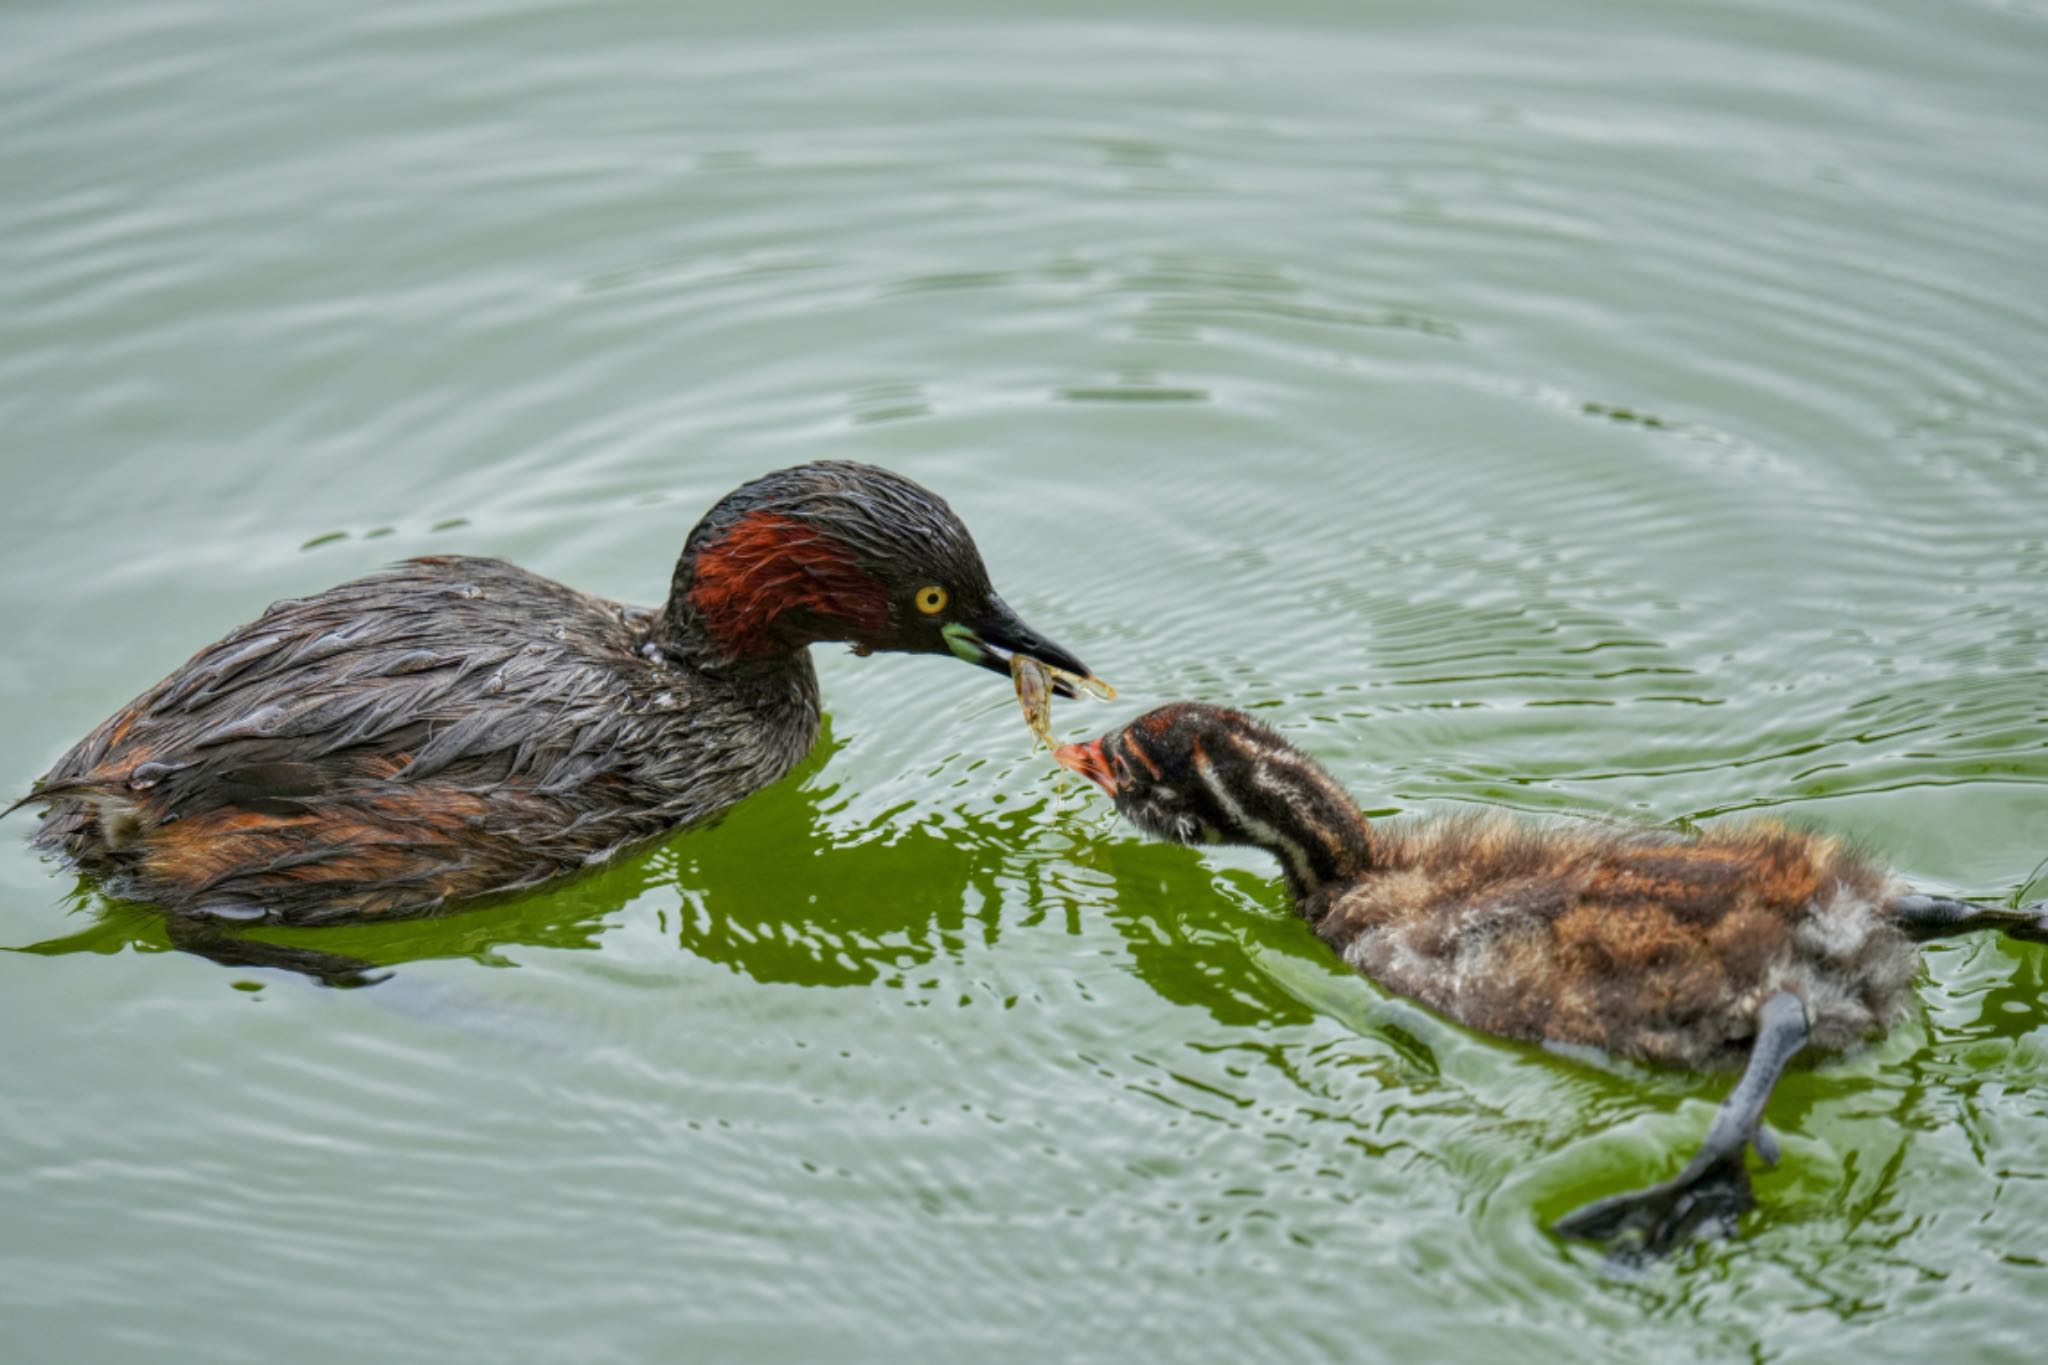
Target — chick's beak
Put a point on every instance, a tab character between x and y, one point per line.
1087	760
1000	633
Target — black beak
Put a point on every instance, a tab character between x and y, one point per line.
1000	634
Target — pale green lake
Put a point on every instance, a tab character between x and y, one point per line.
1627	409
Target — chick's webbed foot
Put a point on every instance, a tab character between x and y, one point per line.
1712	1193
1925	917
1707	1201
2031	930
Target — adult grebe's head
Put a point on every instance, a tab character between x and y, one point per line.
843	551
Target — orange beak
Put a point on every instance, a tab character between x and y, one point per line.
1087	760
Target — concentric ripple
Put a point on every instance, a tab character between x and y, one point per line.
1584	408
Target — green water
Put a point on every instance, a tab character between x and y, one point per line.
1618	408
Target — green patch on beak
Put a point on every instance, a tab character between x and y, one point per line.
964	643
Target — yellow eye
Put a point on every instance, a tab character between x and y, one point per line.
931	601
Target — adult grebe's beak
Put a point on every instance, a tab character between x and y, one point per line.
1087	759
1000	633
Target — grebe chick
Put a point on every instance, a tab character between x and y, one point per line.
1746	943
456	727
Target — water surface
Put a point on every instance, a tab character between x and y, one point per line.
1618	409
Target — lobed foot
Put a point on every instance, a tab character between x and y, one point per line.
1712	1192
1925	917
1658	1220
2033	930
203	938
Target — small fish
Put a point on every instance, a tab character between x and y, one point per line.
1034	680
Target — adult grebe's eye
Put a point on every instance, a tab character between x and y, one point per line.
931	600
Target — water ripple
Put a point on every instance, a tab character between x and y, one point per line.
1617	414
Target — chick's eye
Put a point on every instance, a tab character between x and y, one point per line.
931	600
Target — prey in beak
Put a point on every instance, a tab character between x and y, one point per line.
1000	635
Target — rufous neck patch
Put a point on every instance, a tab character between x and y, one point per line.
767	565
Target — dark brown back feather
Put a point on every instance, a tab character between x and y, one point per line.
451	727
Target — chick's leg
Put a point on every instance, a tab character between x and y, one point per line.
1713	1189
